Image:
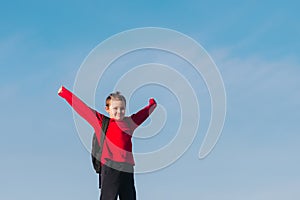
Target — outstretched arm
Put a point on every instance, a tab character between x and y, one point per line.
81	108
139	117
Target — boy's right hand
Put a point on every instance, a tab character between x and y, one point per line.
60	90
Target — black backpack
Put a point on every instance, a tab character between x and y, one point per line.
97	149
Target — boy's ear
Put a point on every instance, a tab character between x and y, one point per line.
107	109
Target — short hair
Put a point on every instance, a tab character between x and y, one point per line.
115	96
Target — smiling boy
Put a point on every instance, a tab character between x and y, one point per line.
118	163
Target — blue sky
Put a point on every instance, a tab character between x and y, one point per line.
255	45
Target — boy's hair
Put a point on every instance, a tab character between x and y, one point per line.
115	96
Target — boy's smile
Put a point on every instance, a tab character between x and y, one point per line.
116	109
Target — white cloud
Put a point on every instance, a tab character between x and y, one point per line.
255	74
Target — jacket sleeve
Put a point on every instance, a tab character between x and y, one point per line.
90	115
139	117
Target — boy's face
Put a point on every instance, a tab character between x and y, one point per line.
116	109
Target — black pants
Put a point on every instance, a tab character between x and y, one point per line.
116	183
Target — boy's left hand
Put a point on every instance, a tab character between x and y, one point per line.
152	101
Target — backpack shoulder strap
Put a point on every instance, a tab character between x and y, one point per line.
105	122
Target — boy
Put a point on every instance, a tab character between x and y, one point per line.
117	177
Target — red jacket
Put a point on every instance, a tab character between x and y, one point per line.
117	145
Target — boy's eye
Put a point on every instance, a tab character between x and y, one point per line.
119	108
